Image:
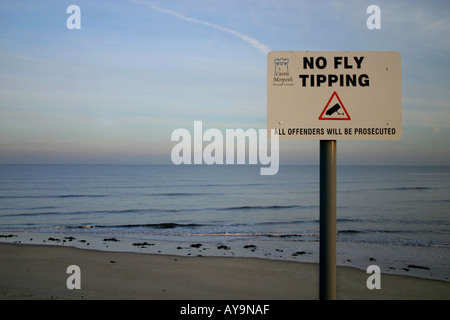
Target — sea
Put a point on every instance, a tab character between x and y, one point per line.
395	217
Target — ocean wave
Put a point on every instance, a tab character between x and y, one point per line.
272	207
406	188
55	196
34	214
163	225
143	211
397	241
417	188
350	231
89	212
181	194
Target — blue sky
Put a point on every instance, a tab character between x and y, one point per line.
113	91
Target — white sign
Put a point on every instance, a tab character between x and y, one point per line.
343	95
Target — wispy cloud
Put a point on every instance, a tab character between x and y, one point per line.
252	41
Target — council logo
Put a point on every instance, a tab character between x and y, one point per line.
281	75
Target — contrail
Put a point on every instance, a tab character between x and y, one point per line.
253	42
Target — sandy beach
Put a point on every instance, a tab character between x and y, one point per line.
39	272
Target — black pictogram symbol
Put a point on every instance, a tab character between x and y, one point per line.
334	109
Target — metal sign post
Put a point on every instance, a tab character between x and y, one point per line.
327	255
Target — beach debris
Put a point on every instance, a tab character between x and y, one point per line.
112	261
7	236
143	244
298	253
372	259
111	239
196	245
412	266
223	247
69	238
250	246
54	239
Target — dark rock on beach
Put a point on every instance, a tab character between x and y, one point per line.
412	266
298	253
196	245
143	244
223	247
250	246
111	239
7	236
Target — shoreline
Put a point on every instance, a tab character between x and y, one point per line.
356	255
36	271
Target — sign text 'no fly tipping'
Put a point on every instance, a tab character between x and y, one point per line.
342	95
